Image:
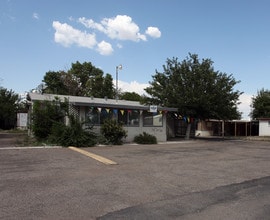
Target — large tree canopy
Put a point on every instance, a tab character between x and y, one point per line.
195	88
81	80
131	96
261	105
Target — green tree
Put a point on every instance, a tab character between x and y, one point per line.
108	89
48	125
45	114
87	77
82	79
195	88
55	83
8	108
261	105
131	96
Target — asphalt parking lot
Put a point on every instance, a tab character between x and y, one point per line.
177	180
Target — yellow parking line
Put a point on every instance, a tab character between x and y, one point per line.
94	156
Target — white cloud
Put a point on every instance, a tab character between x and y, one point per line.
71	18
120	27
104	48
153	32
35	16
120	46
89	23
133	86
244	107
67	36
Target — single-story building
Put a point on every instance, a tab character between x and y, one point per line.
135	117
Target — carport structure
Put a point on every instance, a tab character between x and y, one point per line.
231	128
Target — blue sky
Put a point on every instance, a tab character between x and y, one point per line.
40	36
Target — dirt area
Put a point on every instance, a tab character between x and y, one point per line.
12	139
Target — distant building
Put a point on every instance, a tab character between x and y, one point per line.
22	119
264	126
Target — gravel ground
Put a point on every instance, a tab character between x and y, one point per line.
11	139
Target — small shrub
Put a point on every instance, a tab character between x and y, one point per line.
102	140
72	135
57	131
76	135
145	138
113	132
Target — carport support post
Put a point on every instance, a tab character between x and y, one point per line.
235	129
223	126
246	129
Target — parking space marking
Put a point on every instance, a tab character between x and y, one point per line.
94	156
30	147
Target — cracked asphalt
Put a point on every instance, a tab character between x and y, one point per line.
178	180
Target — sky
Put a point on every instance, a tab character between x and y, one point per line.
38	36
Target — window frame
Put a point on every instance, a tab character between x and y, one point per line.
151	118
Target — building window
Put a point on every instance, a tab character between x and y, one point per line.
123	117
92	116
97	116
133	117
152	119
129	117
105	113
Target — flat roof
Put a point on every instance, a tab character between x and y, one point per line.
97	102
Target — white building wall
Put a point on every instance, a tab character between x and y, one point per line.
22	119
264	127
158	131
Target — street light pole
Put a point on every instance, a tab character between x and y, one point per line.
119	67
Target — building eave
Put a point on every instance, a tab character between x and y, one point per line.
96	102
